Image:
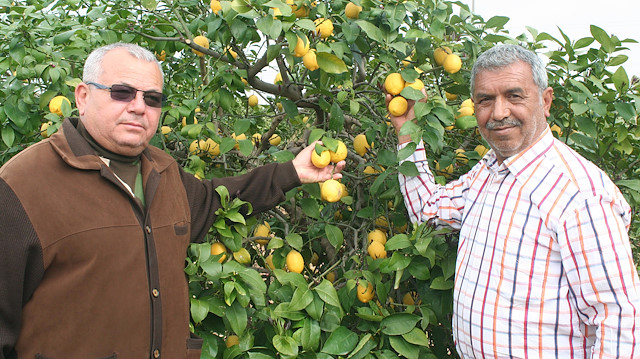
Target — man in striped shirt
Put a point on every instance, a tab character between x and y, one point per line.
544	266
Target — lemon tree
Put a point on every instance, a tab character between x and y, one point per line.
319	69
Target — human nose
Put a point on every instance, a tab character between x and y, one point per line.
501	109
137	105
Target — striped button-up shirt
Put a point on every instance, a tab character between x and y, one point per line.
544	267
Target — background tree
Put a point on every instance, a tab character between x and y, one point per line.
364	283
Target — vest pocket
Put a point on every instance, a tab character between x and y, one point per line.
194	347
181	228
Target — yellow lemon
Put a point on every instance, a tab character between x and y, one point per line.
269	261
239	137
231	52
309	60
376	250
345	192
262	230
302	47
394	83
352	11
417	84
460	156
276	12
467	103
450	96
231	339
440	54
55	105
43	129
481	150
452	63
331	191
340	154
219	248
212	147
407	61
464	111
275	139
381	221
202	41
244	81
555	128
320	160
278	78
215	6
256	138
398	106
360	144
377	236
184	121
295	262
409	298
324	27
331	276
161	56
242	256
446	172
198	147
365	294
253	100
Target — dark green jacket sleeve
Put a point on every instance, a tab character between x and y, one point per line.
263	187
21	267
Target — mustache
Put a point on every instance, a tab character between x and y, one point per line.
507	122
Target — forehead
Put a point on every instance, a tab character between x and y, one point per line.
517	75
120	67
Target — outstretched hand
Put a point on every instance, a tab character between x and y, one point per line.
308	173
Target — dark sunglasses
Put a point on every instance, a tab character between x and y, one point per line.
127	94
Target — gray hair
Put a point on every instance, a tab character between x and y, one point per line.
503	55
93	64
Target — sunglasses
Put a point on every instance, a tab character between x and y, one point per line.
127	94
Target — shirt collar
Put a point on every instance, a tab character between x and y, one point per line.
523	163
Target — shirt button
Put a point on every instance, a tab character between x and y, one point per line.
155	292
148	229
156	353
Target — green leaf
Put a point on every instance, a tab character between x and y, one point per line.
440	283
497	22
237	317
364	347
372	31
330	63
199	310
417	337
65	36
336	122
340	342
625	109
283	311
310	207
302	297
621	80
334	235
399	241
466	122
310	336
579	108
631	184
315	309
602	37
403	348
408	169
15	114
8	136
285	345
398	323
328	293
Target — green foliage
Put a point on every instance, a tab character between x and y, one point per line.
275	312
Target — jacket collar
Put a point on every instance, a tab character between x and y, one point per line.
77	153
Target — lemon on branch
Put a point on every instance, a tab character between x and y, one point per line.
352	11
320	160
440	54
219	248
331	191
55	105
310	61
202	41
398	106
324	27
295	262
365	294
452	63
302	47
340	153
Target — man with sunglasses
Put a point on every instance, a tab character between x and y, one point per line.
95	223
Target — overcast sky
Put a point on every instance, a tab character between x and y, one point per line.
617	17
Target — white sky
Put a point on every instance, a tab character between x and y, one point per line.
616	17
